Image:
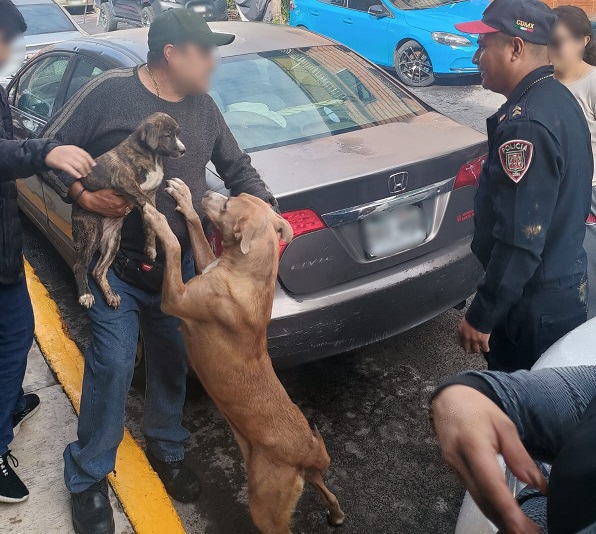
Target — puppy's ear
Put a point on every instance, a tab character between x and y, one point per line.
149	134
284	229
244	231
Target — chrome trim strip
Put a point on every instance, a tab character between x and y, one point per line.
357	213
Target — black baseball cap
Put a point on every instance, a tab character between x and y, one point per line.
531	20
177	26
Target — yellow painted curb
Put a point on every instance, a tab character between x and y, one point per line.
139	489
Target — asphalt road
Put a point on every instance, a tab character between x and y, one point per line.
371	407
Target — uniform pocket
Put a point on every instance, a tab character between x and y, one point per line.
554	327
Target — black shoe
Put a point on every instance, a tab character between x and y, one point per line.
12	488
91	510
31	406
180	481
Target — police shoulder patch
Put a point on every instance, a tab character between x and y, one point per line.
516	158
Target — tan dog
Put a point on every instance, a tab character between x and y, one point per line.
225	312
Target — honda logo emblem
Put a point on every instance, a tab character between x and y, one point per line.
398	182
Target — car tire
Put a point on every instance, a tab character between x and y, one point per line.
147	16
107	19
413	65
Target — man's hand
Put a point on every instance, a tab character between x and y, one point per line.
105	202
471	431
471	340
70	159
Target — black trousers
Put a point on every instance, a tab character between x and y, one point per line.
542	316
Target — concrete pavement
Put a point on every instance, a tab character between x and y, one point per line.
38	448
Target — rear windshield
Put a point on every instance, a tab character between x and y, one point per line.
423	4
287	96
45	18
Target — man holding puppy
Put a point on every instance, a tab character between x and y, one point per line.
175	81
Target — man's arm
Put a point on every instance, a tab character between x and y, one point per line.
478	415
234	165
526	181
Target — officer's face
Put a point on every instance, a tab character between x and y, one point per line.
493	59
565	50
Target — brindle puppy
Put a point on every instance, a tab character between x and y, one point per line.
134	168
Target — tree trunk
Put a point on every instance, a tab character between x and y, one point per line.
276	15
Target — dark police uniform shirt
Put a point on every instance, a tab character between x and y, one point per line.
533	197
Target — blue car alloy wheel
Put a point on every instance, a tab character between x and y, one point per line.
413	65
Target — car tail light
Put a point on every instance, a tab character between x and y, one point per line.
591	219
302	222
469	173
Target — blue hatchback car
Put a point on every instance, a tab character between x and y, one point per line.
417	37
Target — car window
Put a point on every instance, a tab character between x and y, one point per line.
423	4
84	70
287	96
339	3
45	18
362	5
39	86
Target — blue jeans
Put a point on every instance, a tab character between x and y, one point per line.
109	367
16	338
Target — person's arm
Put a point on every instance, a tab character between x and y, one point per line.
234	165
478	415
526	179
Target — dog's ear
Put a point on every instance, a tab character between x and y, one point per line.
149	134
283	228
244	231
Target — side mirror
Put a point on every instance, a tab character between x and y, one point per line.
378	11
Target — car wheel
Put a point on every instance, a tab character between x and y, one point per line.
147	16
107	19
413	65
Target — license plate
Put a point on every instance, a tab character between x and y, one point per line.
390	232
199	9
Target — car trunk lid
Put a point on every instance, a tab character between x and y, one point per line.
399	173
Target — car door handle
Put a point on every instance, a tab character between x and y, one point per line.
348	21
314	13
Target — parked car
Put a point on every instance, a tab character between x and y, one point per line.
416	37
47	23
142	12
378	187
77	5
574	349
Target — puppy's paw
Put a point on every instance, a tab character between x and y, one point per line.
113	300
87	300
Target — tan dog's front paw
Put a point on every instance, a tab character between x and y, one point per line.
180	192
151	252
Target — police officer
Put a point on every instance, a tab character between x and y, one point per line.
533	195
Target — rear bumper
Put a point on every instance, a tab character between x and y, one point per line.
372	308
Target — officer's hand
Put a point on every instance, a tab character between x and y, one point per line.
471	340
70	159
471	431
105	202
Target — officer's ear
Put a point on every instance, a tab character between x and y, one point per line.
518	46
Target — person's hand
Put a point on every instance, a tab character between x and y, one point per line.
105	202
472	430
471	340
70	159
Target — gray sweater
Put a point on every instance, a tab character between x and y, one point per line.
109	108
